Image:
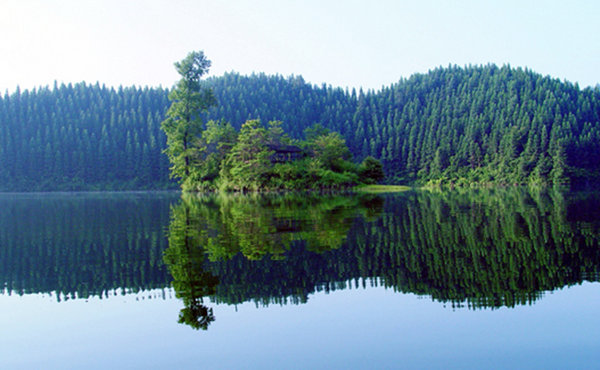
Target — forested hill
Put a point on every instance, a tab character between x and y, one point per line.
453	124
83	137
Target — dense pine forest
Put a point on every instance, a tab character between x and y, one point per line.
453	125
82	137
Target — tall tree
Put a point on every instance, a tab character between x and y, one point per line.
183	124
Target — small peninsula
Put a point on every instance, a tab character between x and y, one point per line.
215	156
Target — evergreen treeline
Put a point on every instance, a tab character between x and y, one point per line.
297	104
451	125
83	137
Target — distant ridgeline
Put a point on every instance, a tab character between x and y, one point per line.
452	125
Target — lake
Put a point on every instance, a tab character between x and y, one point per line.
463	279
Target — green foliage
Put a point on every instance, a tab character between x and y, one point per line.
478	248
477	124
315	131
262	159
183	124
331	151
452	125
482	124
371	171
83	137
247	164
214	144
276	135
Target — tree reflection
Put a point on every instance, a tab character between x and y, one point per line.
185	258
471	248
482	248
83	245
220	227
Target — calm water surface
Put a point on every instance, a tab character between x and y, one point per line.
497	279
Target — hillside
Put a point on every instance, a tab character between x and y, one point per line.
452	125
83	137
473	124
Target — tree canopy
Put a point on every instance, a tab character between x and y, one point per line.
259	158
183	123
452	125
460	125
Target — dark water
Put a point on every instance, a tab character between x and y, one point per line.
502	278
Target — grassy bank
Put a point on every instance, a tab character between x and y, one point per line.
381	188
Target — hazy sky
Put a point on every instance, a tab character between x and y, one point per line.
345	43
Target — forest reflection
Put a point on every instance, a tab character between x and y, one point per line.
470	248
485	248
248	235
79	245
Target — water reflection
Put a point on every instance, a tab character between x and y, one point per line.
247	233
77	245
491	248
474	248
469	248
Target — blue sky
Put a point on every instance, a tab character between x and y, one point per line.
355	44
